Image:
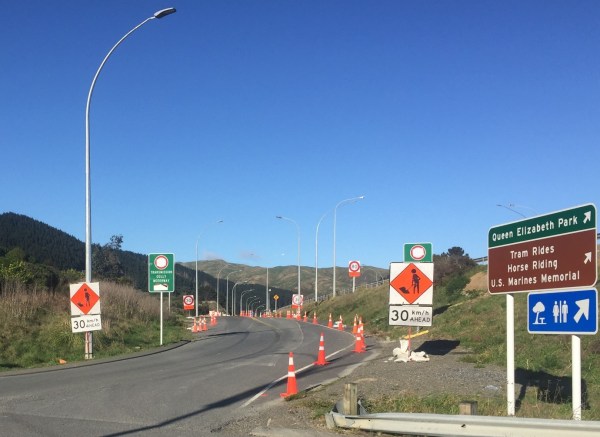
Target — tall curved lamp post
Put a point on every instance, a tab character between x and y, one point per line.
298	231
353	199
227	293
88	186
251	301
197	239
241	297
317	258
219	280
233	296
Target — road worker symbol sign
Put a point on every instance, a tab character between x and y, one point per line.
411	283
85	298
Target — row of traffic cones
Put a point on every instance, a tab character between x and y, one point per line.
200	324
292	386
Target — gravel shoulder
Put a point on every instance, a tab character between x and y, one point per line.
378	377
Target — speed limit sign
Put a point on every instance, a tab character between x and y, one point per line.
297	300
188	302
354	269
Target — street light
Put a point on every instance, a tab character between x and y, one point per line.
219	280
252	299
197	239
298	230
241	296
88	185
354	199
227	294
512	205
254	304
233	296
317	258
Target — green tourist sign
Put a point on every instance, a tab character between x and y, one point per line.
548	252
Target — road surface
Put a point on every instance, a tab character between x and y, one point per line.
190	390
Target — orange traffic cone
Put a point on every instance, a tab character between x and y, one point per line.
204	327
341	325
361	333
315	319
305	317
292	388
330	323
321	356
195	326
355	327
358	344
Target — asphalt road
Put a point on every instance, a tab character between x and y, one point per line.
193	389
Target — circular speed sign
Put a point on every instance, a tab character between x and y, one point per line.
417	252
354	266
161	262
188	300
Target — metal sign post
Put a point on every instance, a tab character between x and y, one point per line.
161	279
549	252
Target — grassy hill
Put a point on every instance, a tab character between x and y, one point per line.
286	277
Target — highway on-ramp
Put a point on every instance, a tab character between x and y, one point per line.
190	390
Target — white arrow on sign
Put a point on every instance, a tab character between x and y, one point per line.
588	258
587	216
584	309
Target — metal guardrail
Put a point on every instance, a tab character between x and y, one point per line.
448	425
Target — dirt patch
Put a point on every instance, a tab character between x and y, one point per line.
479	281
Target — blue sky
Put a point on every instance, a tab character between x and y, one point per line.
435	111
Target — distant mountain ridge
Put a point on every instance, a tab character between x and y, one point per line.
44	244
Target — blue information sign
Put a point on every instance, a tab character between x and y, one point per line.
563	312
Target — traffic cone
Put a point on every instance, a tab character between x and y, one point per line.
305	317
195	326
355	327
358	344
204	327
330	323
292	388
341	325
315	319
361	333
321	355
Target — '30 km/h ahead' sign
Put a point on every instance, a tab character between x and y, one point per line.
548	252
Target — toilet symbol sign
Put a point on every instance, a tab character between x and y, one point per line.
563	312
411	283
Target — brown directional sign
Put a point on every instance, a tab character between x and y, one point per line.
549	252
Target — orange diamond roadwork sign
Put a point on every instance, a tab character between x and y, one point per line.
85	298
411	283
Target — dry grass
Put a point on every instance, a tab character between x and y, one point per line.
35	325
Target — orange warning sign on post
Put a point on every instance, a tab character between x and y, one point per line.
411	283
85	299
